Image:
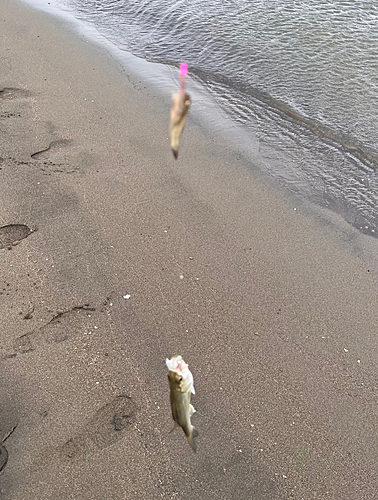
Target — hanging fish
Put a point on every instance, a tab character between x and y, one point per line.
181	384
179	112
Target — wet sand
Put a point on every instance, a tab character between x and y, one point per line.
132	257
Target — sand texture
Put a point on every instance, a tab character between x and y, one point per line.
114	256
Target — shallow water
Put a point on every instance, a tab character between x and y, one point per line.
300	77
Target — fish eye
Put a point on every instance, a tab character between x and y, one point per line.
180	379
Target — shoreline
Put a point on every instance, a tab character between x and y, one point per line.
266	313
246	140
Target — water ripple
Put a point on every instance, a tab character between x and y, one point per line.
304	74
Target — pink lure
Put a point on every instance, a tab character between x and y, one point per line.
183	69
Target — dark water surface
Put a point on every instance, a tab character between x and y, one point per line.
299	76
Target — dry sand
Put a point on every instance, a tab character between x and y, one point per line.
137	257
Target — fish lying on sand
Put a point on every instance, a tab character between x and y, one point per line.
181	384
179	112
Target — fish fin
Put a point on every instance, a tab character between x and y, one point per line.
191	437
191	410
174	427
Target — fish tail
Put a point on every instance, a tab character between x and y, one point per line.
175	153
191	437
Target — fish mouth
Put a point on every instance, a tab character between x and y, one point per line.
176	364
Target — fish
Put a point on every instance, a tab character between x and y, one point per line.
181	385
179	112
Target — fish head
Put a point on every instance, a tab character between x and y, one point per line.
180	377
180	106
176	381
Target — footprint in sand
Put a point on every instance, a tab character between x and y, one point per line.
3	457
54	147
3	451
13	93
112	422
105	428
58	156
59	329
12	234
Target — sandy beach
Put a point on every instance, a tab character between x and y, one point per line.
129	257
